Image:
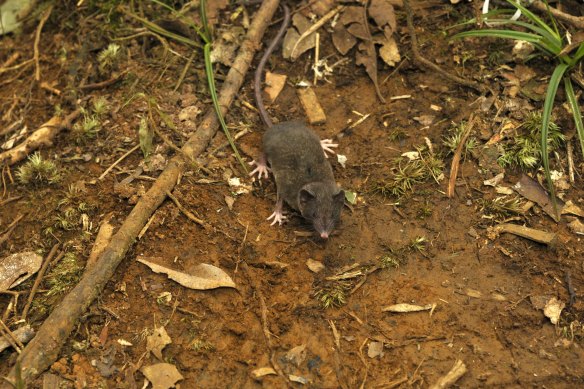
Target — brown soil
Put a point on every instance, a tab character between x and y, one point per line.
483	286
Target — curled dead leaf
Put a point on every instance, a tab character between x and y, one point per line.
202	277
162	375
18	267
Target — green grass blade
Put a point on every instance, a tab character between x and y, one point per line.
212	88
506	34
488	17
573	101
548	39
161	31
536	20
206	31
215	99
579	54
182	17
545	122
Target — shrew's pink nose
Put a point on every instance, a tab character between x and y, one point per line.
324	235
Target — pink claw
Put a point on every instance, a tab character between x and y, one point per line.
278	217
261	169
327	145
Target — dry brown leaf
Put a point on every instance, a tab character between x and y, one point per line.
389	52
213	8
296	355
162	375
375	349
314	266
321	7
158	341
531	190
293	34
358	30
202	277
553	309
352	14
263	371
366	56
576	226
18	267
383	13
404	308
342	39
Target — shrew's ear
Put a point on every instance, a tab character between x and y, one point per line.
305	196
339	197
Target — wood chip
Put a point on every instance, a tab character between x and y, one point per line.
275	83
311	106
544	237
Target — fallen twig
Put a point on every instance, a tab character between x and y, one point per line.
102	239
10	60
186	212
39	277
45	347
20	336
432	66
575	21
37	38
457	371
529	233
104	84
15	67
315	27
44	135
102	176
235	137
10	337
8	231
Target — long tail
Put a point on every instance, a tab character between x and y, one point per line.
260	69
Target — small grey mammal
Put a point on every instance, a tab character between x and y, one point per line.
297	158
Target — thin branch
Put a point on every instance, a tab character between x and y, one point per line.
37	38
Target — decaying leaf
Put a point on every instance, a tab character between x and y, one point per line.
403	308
263	371
389	52
18	267
383	13
213	9
553	309
301	24
342	40
321	7
375	349
473	293
366	56
358	30
572	209
203	276
352	14
158	341
495	180
351	197
576	226
531	190
296	355
314	266
162	375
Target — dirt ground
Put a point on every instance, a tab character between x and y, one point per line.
421	248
